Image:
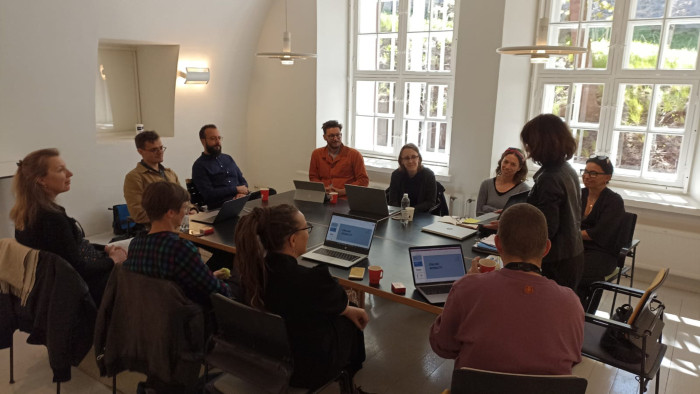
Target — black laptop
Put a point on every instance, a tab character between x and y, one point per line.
229	210
370	203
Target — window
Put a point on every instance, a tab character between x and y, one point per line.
402	77
634	94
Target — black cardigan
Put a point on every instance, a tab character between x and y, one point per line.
427	189
604	221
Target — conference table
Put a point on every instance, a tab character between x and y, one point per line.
389	247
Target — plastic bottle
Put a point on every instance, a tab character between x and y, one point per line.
185	225
405	203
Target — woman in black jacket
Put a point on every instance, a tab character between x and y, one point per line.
556	192
412	178
41	223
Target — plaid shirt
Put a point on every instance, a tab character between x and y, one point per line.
165	255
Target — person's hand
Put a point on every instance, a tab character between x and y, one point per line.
474	269
341	192
329	188
116	253
239	195
492	226
242	189
193	211
498	211
356	315
222	274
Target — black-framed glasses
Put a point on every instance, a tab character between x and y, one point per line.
332	136
408	158
592	174
308	228
158	149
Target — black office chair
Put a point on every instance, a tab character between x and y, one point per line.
477	381
440	208
195	197
628	248
252	346
643	329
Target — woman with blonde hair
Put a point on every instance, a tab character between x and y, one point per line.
325	331
41	223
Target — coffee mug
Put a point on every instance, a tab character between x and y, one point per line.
264	193
334	197
375	274
486	265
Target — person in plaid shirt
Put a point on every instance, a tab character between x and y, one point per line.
163	254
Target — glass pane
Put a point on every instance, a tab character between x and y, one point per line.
385	98
364	98
437	136
417	52
671	106
598	40
367	16
685	8
418	15
442	126
364	132
442	15
649	9
432	130
644	48
681	48
564	11
415	97
564	35
635	109
587	103
665	153
389	16
441	51
387	53
556	98
367	52
414	132
586	141
630	148
438	101
384	132
600	10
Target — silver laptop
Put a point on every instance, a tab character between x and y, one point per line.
229	210
347	241
309	191
369	203
435	269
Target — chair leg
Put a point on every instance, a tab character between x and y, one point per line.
58	387
12	360
114	384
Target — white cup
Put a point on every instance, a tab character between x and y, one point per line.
409	212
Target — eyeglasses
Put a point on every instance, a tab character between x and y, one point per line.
332	136
308	228
157	149
219	138
592	174
409	158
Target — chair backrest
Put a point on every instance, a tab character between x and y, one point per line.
648	296
469	380
195	197
440	208
120	219
259	332
629	222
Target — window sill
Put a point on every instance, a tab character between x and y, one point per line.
657	201
387	166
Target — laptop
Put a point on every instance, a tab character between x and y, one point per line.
449	230
488	217
309	191
369	203
435	269
229	210
347	241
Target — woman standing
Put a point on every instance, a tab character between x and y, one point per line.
509	180
549	142
325	331
41	223
412	178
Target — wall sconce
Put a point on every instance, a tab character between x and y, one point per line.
196	75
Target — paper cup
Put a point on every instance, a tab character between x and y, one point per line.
409	212
265	193
334	197
486	265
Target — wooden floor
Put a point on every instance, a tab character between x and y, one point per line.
399	358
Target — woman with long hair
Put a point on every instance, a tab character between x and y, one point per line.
41	223
509	180
413	178
325	331
556	192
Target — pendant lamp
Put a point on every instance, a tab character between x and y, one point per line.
540	52
286	56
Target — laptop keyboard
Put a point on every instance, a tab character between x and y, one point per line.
336	254
437	289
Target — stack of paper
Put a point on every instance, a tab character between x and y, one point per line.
487	243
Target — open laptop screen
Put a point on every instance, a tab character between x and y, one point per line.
350	231
437	264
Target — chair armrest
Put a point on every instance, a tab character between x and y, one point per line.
616	288
603	322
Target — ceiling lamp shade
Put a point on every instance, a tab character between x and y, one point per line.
286	56
540	52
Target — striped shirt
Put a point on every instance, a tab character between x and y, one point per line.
165	255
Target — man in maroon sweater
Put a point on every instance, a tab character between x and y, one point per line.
512	320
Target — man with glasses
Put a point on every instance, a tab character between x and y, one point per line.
337	165
147	171
215	174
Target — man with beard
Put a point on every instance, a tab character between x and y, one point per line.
215	174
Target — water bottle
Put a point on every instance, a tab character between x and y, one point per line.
185	225
405	203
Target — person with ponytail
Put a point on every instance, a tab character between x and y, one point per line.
324	329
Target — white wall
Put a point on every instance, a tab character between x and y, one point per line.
48	55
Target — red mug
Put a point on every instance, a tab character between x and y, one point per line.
375	274
486	265
265	193
334	197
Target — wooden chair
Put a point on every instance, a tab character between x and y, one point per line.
477	381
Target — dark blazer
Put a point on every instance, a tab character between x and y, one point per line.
427	189
604	221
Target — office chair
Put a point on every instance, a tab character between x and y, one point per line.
628	248
477	381
643	329
195	197
440	208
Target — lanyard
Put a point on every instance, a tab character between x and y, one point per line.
527	267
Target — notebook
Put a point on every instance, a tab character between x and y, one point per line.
449	230
229	210
435	269
347	241
309	191
369	202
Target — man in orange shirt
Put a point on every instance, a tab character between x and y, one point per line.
335	164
